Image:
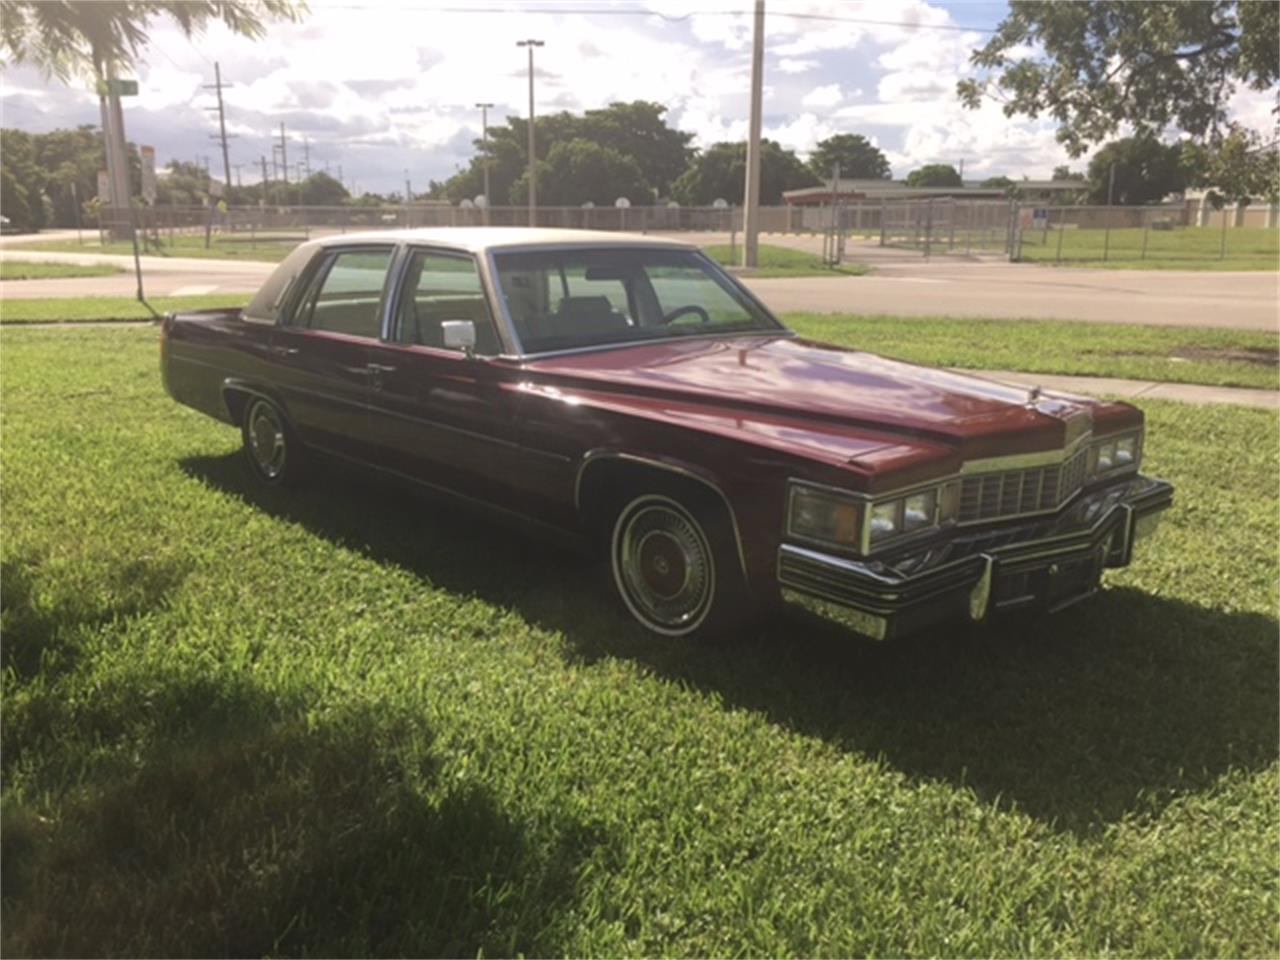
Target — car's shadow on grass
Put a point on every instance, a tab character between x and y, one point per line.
254	823
1115	707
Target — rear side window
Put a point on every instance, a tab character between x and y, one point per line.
346	294
440	287
266	304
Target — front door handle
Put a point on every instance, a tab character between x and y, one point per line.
375	371
283	351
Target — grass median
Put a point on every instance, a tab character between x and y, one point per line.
777	261
11	269
1234	358
268	247
347	721
1183	248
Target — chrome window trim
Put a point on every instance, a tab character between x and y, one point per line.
406	254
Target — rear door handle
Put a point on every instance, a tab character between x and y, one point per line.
381	368
282	351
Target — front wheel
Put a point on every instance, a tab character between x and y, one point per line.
672	570
274	454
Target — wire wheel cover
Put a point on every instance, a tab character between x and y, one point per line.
663	563
266	440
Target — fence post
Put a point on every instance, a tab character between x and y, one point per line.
1222	248
1106	236
883	204
1146	231
928	225
1061	230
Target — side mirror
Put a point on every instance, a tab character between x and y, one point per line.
459	335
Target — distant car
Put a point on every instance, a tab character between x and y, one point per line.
7	226
626	392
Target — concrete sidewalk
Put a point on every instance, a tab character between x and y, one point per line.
1137	389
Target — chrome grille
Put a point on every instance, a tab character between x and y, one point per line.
1010	493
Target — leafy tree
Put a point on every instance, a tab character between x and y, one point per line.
720	172
1238	169
1064	172
182	184
579	170
935	175
13	202
993	183
1146	171
638	131
321	190
1096	65
858	157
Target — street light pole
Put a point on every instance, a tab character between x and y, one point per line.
751	206
533	174
484	140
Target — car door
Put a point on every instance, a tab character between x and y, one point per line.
323	349
445	417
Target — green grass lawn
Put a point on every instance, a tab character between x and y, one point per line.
348	721
784	262
31	270
1238	358
272	248
1186	248
105	309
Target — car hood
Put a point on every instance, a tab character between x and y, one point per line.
857	400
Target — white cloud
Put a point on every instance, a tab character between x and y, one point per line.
794	65
828	95
382	87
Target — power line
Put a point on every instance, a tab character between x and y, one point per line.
671	18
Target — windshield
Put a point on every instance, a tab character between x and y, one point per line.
562	299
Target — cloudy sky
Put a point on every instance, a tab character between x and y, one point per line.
380	87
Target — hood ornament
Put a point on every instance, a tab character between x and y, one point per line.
1033	395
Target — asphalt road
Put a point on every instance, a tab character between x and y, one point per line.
901	284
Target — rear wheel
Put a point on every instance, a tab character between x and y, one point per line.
672	567
274	455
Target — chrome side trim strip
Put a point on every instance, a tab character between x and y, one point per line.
592	456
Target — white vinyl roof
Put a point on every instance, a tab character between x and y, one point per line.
476	239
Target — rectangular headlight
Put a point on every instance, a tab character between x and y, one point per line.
919	510
886	519
1115	454
818	515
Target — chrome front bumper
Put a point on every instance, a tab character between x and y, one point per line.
1050	564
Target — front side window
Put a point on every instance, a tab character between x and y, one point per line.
564	299
440	287
344	296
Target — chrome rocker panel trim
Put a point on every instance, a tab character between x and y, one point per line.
973	573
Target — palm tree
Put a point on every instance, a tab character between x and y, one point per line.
70	38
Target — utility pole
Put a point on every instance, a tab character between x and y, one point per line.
533	172
236	167
265	181
484	140
408	190
751	207
284	161
222	123
306	154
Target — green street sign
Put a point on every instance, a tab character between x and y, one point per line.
121	88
